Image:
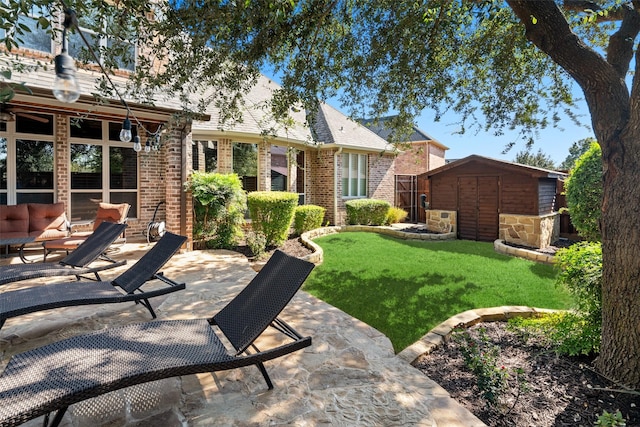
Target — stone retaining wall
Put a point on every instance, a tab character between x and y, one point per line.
442	221
532	231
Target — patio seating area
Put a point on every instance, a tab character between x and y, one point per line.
348	376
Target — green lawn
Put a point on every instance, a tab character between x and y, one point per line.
404	288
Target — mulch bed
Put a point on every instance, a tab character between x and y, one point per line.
562	391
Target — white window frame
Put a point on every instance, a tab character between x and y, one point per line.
361	172
33	15
105	143
11	137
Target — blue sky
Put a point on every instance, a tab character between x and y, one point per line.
554	142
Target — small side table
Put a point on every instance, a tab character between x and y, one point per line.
19	241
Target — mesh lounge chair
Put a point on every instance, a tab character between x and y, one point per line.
52	377
74	264
48	296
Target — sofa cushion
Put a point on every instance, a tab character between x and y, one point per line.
111	213
47	221
14	219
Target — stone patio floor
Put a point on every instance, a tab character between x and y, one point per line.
349	376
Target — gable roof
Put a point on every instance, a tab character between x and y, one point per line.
256	118
503	164
334	128
379	128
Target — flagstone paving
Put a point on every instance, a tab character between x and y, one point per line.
350	375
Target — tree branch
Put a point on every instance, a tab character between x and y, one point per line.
620	49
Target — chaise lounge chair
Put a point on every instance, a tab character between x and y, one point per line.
56	295
74	264
52	377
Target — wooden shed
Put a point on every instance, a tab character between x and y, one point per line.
496	199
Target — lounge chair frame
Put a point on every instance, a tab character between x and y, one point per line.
56	295
43	381
77	263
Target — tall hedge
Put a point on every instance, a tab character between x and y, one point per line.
584	193
219	206
367	211
271	214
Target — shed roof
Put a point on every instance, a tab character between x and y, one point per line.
503	164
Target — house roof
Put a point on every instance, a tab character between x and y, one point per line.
256	119
384	132
516	167
41	81
333	127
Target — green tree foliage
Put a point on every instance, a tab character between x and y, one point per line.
584	193
539	159
499	64
219	206
576	150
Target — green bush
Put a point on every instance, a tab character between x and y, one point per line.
396	215
579	331
271	214
308	217
219	205
367	211
583	189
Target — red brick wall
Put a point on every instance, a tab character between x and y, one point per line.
420	158
319	185
61	167
381	177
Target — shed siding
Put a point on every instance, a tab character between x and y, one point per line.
519	194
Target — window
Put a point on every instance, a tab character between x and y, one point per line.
210	151
287	170
123	50
32	35
279	168
354	175
27	159
245	164
101	169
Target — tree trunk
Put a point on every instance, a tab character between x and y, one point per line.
615	116
619	357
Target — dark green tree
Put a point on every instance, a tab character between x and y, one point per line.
539	159
584	193
576	150
499	64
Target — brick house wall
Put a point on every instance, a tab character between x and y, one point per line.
61	166
381	183
319	186
421	157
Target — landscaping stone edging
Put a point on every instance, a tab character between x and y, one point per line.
500	247
316	257
440	333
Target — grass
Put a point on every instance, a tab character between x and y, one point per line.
404	288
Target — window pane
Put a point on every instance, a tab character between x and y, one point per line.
353	175
37	38
195	155
245	164
3	163
123	168
34	164
345	175
39	124
88	129
211	157
116	127
86	167
278	168
126	54
34	198
362	175
129	197
77	49
84	206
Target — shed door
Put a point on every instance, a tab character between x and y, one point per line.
478	208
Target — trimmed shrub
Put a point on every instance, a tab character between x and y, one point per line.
367	211
396	215
271	214
308	217
584	193
219	205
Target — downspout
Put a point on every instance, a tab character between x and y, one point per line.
335	185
